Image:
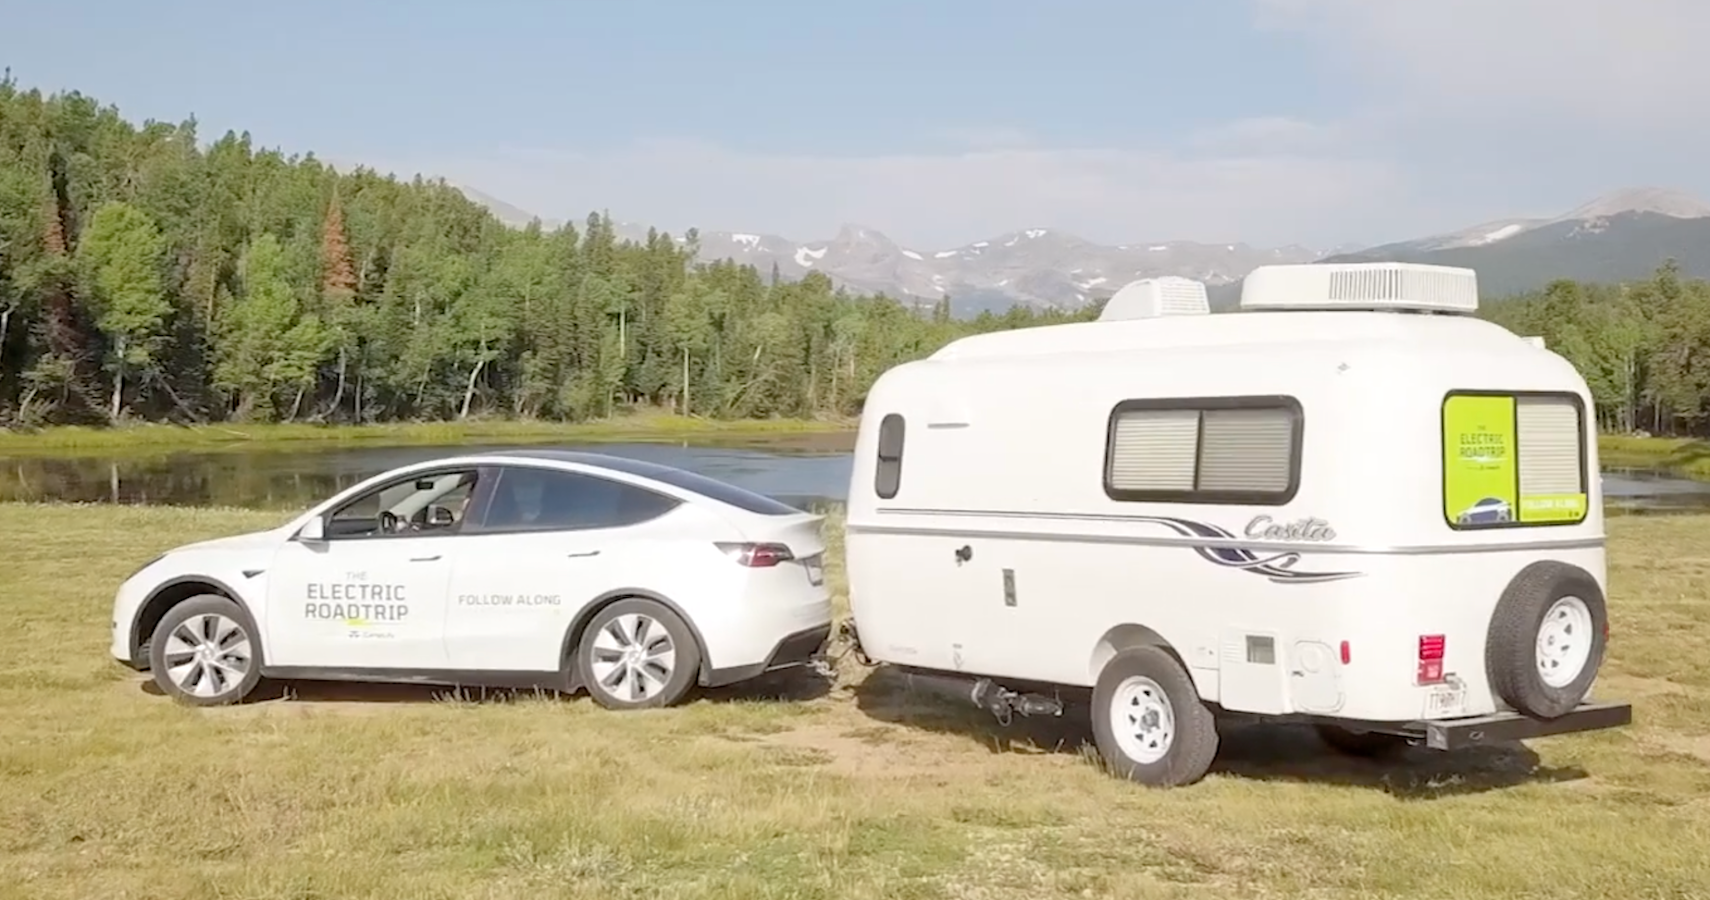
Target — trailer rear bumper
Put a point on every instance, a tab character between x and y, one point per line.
1476	731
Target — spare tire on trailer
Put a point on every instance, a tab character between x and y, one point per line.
1546	639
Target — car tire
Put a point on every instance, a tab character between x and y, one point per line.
1148	721
623	672
205	652
1547	638
1359	743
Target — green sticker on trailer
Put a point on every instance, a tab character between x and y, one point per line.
1481	469
1552	508
1480	472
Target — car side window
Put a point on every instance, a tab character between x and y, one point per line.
426	504
531	498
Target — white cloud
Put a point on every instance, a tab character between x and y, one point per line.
1271	135
939	200
1472	110
1633	63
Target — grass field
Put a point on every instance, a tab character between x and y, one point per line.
143	439
1685	456
853	790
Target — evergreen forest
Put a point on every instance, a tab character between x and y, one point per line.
147	276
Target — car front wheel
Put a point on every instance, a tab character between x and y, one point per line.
204	652
638	654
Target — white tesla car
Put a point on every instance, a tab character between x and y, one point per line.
521	568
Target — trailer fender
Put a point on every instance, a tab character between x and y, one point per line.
1132	636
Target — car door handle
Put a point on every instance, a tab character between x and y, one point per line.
424	558
585	553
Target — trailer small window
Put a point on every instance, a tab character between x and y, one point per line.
887	477
1513	460
1231	450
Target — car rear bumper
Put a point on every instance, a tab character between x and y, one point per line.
796	649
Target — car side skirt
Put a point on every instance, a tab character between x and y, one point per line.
483	678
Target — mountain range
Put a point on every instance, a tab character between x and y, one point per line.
1622	235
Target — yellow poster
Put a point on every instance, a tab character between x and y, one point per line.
1480	472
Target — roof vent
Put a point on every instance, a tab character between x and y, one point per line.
1367	286
1151	298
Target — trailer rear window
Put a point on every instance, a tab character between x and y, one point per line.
1513	459
1226	450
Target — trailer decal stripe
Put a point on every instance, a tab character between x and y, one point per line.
1191	538
1278	567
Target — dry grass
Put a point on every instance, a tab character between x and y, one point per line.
857	792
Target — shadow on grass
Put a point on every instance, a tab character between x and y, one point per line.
1256	752
786	686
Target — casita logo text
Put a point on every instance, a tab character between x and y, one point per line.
1300	530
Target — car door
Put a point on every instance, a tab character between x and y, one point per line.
548	542
371	593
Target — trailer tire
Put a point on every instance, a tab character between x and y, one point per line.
1547	639
1148	721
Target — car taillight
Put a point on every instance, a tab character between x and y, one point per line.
757	556
1431	647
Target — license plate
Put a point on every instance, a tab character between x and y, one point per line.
1446	700
816	571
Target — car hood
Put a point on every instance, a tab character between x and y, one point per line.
254	540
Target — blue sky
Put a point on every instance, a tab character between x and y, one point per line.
936	121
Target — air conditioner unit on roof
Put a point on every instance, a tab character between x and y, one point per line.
1150	298
1367	286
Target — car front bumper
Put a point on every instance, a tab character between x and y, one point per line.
126	601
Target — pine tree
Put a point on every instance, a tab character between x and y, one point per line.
338	274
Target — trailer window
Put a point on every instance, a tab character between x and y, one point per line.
1513	459
888	476
1231	450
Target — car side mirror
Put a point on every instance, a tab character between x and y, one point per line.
313	531
440	517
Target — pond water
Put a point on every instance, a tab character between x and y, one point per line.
796	470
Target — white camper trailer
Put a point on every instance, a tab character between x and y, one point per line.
1350	503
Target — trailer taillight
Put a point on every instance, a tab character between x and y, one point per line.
1347	653
1431	647
756	556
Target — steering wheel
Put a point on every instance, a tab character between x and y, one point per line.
388	522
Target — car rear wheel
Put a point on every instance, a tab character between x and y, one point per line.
204	652
638	654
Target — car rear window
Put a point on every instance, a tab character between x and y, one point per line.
741	498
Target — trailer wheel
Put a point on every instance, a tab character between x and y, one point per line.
1359	743
1546	639
1148	721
